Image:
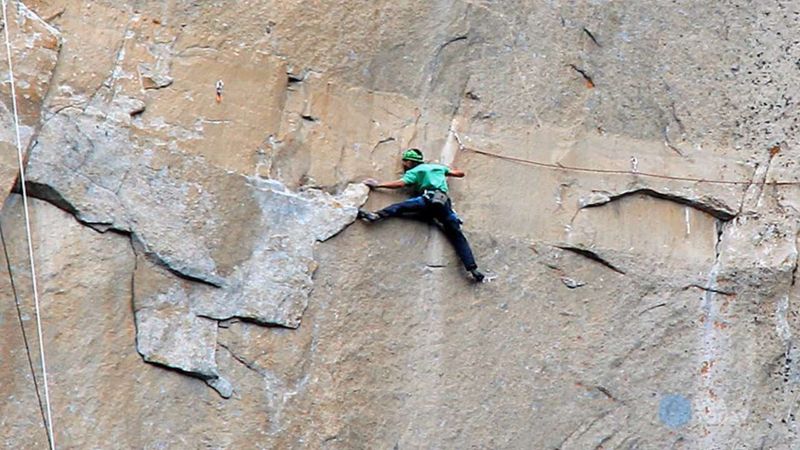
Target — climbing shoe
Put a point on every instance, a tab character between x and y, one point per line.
477	275
367	216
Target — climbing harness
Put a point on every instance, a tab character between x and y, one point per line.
49	423
436	197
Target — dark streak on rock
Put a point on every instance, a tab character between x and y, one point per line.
669	143
582	429
600	446
716	212
676	118
234	318
55	16
48	194
436	61
472	96
720	224
381	142
591	255
588	79
606	392
591	36
794	269
660	305
248	364
138	111
712	290
450	41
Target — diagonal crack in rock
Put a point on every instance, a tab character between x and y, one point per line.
240	246
712	206
35	49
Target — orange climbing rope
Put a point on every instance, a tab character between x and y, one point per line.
564	168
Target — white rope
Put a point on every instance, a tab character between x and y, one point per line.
28	230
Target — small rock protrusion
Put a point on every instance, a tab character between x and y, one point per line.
572	284
223	387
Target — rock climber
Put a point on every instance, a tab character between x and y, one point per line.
430	203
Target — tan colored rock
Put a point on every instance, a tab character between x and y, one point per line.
640	228
641	112
167	332
35	49
97	378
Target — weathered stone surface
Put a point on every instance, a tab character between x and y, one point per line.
273	285
175	323
647	232
85	309
102	394
34	52
167	332
254	239
646	295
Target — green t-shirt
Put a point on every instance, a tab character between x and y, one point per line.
427	176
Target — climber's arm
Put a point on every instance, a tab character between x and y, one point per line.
375	184
456	173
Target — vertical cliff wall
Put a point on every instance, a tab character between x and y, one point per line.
631	180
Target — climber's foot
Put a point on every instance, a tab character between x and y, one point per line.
480	277
477	276
367	216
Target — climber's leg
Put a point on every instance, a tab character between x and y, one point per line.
411	207
451	226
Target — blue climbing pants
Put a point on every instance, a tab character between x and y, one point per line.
422	208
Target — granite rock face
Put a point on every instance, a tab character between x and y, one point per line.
631	180
35	52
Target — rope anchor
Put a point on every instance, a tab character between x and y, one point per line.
218	88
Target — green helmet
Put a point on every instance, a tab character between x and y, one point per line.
412	154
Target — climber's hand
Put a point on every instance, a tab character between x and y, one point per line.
371	183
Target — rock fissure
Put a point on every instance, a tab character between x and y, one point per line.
379	143
260	371
668	142
583	428
660	305
582	72
119	57
712	290
50	195
607	393
145	314
126	133
452	40
796	261
591	36
592	256
758	182
712	206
